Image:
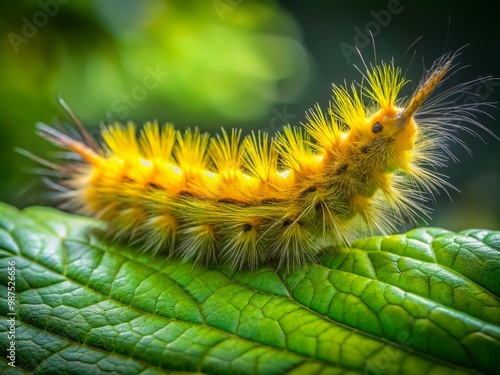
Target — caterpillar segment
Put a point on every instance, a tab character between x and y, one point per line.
362	166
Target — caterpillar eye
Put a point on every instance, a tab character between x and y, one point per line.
377	128
247	228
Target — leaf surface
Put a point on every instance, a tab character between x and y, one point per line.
424	302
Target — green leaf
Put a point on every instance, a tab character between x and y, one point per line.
427	301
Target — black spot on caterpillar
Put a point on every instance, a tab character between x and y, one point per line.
152	185
247	227
342	168
310	189
269	201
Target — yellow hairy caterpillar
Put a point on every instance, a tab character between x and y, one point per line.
364	165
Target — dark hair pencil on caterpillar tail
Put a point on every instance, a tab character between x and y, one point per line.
366	163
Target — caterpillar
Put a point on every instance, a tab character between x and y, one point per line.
362	166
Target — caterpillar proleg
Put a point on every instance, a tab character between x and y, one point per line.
366	163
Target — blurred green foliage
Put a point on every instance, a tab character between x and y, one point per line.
183	62
232	63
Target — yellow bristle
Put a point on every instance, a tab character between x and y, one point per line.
191	151
259	157
225	154
324	130
384	83
157	144
121	141
297	153
349	108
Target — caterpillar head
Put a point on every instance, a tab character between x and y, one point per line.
388	124
393	118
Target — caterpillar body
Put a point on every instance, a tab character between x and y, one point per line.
366	164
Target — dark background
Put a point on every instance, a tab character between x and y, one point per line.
442	26
233	63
